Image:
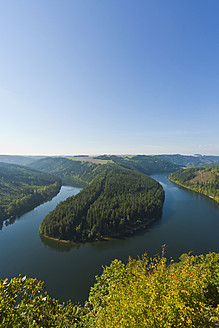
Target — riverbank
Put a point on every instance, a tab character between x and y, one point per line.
198	192
69	270
29	203
129	231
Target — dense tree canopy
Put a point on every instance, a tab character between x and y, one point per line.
25	303
204	180
79	173
22	188
142	293
70	172
143	163
116	200
153	293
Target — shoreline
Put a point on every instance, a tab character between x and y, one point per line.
31	208
128	232
198	192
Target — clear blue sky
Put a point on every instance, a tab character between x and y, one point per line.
109	76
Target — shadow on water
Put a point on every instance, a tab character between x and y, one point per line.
99	244
189	222
200	196
59	246
8	222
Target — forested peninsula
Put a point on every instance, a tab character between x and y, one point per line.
21	195
22	189
204	180
117	200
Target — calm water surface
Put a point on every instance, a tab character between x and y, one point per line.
190	222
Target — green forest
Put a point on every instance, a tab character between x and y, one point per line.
204	180
70	172
145	292
143	163
191	160
22	189
117	200
79	173
20	192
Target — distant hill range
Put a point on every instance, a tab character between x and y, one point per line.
147	163
143	163
80	173
71	172
191	161
76	170
19	160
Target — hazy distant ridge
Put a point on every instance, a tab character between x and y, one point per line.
19	159
192	160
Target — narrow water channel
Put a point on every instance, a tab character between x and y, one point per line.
190	222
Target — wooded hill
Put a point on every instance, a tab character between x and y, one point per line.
204	180
70	172
18	197
116	201
79	173
145	164
19	159
191	161
22	189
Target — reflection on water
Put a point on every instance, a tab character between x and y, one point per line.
57	245
66	246
190	222
7	222
10	221
199	196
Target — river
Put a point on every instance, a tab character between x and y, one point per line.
190	222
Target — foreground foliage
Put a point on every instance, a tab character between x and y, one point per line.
25	303
116	201
22	189
143	293
203	179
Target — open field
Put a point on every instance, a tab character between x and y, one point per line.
90	159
